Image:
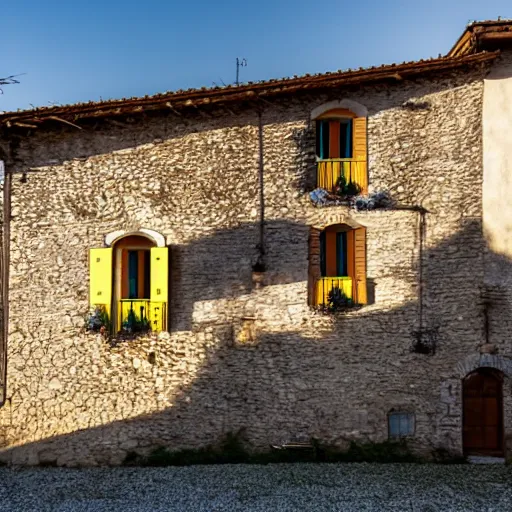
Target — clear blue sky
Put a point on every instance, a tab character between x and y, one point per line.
80	50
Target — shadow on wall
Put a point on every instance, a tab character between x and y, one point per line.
286	384
219	267
296	376
103	136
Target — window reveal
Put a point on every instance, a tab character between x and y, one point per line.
334	139
341	254
400	424
335	253
133	271
136	273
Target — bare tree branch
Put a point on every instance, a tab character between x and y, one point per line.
9	80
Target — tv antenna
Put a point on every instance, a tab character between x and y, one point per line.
240	63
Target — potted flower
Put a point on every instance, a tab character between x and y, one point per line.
98	320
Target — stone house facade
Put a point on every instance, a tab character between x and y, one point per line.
197	214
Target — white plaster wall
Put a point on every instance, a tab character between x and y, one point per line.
497	145
497	215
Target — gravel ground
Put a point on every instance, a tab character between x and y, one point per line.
276	487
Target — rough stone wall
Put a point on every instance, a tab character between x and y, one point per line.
238	357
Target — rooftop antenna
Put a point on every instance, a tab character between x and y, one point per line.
240	63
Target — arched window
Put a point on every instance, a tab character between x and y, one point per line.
341	151
337	266
129	281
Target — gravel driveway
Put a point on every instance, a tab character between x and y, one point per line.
276	487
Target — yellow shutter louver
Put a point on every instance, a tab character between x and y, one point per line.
359	152
159	287
100	278
359	138
361	294
314	271
159	274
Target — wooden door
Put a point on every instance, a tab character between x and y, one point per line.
483	413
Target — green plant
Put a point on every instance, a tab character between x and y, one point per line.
339	188
98	319
338	301
346	188
131	459
443	456
232	450
352	189
385	452
135	324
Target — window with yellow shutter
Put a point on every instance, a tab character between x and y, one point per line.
337	267
341	150
100	289
129	284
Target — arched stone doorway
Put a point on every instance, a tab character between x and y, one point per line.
482	396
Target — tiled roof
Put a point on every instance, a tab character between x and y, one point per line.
252	91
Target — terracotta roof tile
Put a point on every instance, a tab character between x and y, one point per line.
249	91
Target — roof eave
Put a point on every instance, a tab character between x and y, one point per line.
244	93
478	32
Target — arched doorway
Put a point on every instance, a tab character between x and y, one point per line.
483	412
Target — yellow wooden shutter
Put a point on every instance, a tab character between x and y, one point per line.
159	274
314	271
100	277
359	152
359	138
159	288
361	295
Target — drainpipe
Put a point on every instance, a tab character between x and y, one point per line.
486	322
422	232
5	262
260	264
